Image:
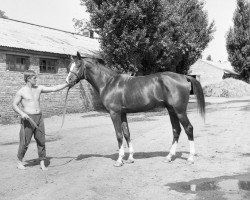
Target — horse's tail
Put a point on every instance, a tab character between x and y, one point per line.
199	95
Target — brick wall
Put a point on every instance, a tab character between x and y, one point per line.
82	97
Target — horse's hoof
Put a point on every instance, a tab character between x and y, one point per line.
118	164
168	159
190	160
130	161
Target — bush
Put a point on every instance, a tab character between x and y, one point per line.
229	87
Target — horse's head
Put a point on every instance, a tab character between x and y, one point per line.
76	70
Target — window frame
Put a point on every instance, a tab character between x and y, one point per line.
48	66
16	62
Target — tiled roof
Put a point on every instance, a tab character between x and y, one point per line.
27	36
225	66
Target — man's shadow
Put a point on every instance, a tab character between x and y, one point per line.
47	161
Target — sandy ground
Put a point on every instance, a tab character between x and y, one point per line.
81	157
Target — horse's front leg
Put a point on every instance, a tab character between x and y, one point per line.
116	119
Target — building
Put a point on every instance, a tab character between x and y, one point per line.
46	51
209	72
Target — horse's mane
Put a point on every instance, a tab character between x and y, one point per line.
101	64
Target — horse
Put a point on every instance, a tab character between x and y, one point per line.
121	94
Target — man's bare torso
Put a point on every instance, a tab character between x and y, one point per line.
31	99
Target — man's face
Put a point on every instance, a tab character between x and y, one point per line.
32	80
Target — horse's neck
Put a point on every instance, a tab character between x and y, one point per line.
99	77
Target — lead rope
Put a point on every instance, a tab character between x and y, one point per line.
65	102
35	125
65	106
64	112
22	132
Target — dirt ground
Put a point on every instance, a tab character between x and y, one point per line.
81	157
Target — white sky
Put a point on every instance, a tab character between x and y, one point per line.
221	11
59	14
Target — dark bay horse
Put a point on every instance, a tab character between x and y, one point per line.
122	94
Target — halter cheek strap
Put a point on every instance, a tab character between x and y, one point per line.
79	77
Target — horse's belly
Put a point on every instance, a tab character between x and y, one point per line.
140	106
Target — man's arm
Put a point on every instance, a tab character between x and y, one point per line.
16	101
55	88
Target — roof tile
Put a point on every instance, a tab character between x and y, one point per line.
28	36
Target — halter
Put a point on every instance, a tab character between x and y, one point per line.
78	77
82	74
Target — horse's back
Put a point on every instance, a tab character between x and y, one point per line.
146	92
175	88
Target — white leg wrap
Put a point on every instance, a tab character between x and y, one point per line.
131	151
171	152
173	148
192	152
192	149
121	154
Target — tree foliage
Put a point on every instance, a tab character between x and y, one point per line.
238	40
148	36
2	14
186	33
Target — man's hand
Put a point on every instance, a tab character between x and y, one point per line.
69	85
25	116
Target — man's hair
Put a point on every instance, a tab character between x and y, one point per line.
28	74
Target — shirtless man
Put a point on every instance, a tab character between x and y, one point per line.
29	97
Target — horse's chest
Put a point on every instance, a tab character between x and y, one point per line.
112	99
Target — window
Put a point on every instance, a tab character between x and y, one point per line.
47	65
17	62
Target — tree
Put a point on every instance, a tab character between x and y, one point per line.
80	25
186	33
150	36
2	14
238	40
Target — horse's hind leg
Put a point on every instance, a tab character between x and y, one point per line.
189	131
176	132
116	119
126	133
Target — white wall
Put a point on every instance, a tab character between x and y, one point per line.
208	74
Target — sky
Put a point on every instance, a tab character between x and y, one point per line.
59	14
221	11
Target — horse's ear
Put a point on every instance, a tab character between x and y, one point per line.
79	55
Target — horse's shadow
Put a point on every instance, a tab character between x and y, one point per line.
137	156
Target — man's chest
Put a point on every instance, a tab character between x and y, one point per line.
31	94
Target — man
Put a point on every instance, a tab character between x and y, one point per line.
31	116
